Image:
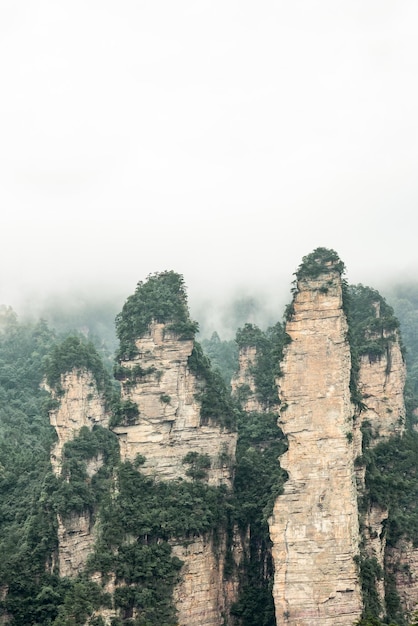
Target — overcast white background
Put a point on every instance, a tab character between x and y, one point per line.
221	139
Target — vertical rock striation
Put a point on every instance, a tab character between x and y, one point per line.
169	424
75	543
244	379
314	526
203	596
176	427
402	562
80	404
374	542
167	428
381	383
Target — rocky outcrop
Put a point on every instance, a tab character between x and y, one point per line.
374	539
203	596
165	426
243	382
402	562
75	542
381	383
314	526
79	404
169	424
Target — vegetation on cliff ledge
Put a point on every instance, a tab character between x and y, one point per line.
320	261
75	353
161	298
216	402
75	491
139	521
269	353
140	516
259	478
372	321
372	329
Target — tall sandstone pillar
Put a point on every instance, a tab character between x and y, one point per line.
314	525
80	404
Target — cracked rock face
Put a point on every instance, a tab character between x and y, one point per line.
203	596
381	382
167	428
80	405
75	542
169	424
244	378
402	560
314	526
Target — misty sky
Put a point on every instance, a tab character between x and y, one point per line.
221	139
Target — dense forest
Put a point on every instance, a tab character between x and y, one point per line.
33	357
32	354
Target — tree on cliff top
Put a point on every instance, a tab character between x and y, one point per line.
318	262
161	298
76	353
269	353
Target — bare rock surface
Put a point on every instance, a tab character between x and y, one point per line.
203	597
75	541
169	424
79	405
403	561
382	382
314	526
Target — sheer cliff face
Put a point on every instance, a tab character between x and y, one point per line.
244	378
75	542
80	405
203	597
381	382
169	426
403	562
169	423
314	526
244	381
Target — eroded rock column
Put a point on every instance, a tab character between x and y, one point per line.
244	379
80	404
167	428
169	424
314	526
382	382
